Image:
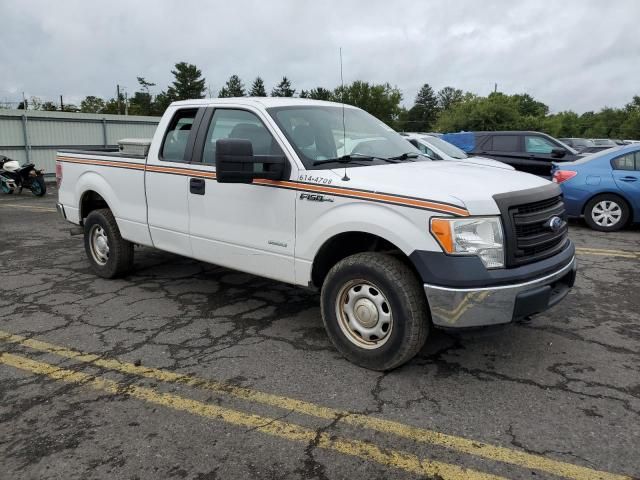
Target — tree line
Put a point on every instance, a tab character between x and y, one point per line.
447	110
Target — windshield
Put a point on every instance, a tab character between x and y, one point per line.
446	147
316	134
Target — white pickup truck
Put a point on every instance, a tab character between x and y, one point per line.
324	195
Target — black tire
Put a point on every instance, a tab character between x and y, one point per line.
607	197
119	258
38	187
406	300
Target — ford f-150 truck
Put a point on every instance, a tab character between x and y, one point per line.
324	195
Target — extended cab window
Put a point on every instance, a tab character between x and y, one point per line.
177	136
505	143
630	161
227	123
534	144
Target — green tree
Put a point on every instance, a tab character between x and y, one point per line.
49	106
496	112
188	83
70	107
448	97
142	101
319	93
160	103
563	124
422	116
381	101
257	88
112	107
92	104
283	89
527	105
233	88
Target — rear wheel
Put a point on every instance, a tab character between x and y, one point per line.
38	187
109	254
606	213
374	310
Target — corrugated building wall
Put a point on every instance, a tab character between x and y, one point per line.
35	136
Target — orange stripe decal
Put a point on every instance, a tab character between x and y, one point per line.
292	185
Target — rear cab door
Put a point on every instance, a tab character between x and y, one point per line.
167	176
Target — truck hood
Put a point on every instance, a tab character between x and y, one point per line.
487	162
458	183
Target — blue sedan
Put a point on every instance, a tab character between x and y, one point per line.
603	187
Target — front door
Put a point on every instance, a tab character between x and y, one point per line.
248	227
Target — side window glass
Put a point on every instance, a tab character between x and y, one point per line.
505	143
241	124
175	140
626	162
537	145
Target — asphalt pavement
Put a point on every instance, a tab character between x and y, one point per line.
185	370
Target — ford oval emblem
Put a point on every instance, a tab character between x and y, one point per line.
555	224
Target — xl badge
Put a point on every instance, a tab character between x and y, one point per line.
555	224
314	197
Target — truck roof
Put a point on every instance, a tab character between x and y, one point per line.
265	102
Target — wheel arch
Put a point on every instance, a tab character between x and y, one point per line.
608	192
345	244
94	192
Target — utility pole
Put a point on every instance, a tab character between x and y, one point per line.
126	103
495	88
118	97
61	104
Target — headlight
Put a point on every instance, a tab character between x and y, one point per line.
481	236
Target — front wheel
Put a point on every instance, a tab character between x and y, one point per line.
374	310
606	213
38	187
110	255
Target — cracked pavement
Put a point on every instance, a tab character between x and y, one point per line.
564	385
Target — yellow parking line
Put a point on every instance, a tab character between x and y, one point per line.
606	252
28	207
289	431
460	444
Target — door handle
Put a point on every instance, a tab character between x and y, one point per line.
196	186
629	178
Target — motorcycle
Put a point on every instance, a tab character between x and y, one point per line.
15	177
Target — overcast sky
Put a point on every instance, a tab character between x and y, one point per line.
578	55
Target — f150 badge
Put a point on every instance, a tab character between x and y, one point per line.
314	197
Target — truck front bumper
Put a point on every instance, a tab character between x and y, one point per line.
475	307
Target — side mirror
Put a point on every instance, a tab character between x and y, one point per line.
235	162
558	152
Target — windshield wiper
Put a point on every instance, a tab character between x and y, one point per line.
346	159
404	156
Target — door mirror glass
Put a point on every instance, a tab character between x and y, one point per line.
558	152
236	163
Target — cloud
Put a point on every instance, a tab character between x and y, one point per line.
579	55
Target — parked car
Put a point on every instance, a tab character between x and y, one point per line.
604	188
395	243
584	145
437	149
531	152
605	142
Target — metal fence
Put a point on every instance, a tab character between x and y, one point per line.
35	136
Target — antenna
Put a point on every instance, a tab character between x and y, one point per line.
344	129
